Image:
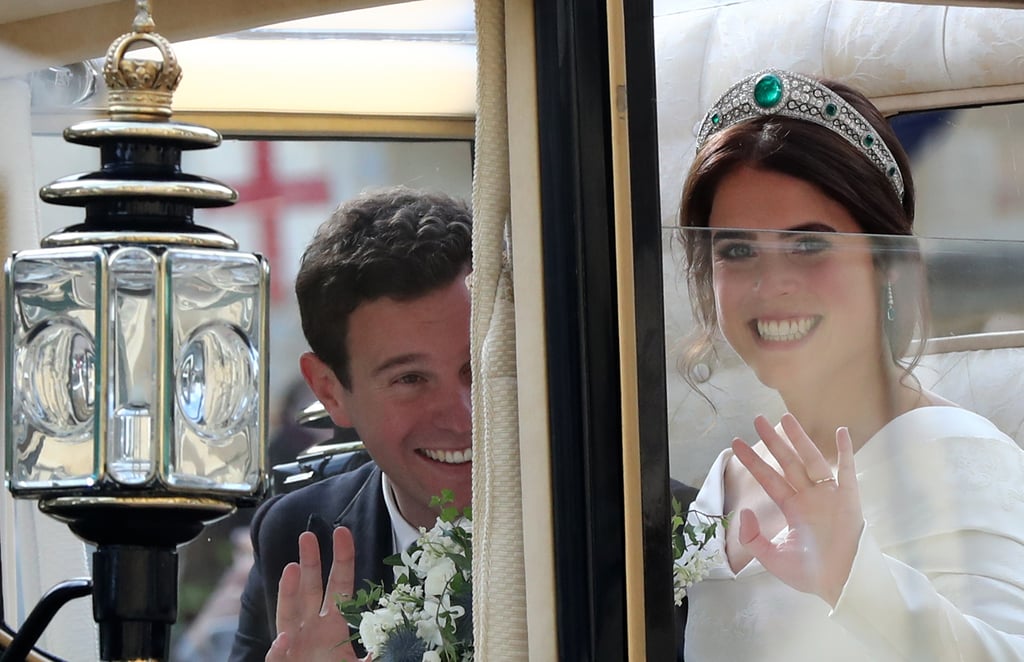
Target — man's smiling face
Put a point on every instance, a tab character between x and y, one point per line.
410	394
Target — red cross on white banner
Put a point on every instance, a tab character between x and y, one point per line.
267	194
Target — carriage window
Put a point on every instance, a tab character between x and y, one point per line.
967	305
830	326
915	343
968	168
286	189
294	149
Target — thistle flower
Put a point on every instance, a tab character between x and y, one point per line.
402	645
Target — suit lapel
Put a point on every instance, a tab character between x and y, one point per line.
367	517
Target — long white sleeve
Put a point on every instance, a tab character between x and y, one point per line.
939	570
972	611
946	582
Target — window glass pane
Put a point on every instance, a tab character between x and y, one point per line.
404	70
809	322
286	189
968	166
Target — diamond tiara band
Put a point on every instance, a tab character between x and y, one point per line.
775	92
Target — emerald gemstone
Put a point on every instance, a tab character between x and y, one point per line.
768	91
892	170
831	109
716	119
868	140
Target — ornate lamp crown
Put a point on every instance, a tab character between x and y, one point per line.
140	88
788	94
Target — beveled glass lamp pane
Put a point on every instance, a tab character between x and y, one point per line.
217	309
131	431
52	367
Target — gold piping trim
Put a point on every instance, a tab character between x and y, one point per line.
636	632
33	656
198	503
250	123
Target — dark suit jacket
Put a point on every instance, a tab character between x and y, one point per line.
354	500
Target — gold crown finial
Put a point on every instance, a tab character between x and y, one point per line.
141	89
143	17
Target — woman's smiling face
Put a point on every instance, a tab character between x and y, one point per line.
796	297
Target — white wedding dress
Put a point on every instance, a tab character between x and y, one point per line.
939	571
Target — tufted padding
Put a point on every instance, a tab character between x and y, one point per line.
907	55
982	372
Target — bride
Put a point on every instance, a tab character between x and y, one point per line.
875	521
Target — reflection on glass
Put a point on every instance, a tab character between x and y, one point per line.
217	309
287	189
54	334
916	345
131	444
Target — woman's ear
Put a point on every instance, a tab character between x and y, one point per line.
326	387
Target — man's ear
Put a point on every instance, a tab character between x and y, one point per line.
326	387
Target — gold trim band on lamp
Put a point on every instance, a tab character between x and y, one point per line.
62	507
76	187
83	509
97	132
190	240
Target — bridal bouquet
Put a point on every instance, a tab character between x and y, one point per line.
691	533
427	616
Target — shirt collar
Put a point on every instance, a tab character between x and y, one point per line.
403	534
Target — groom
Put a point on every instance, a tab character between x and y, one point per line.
385	309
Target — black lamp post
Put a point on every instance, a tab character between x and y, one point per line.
136	355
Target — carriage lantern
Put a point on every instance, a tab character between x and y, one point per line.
135	355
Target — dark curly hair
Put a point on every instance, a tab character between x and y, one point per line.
397	242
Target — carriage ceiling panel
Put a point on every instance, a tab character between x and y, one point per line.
39	33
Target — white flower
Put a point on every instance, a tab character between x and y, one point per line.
693	559
427	630
375	627
410	559
689	569
431	575
438	576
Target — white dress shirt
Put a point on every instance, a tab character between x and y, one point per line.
403	534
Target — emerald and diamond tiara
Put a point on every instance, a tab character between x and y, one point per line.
776	92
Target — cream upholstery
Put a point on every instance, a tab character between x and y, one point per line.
901	55
981	372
